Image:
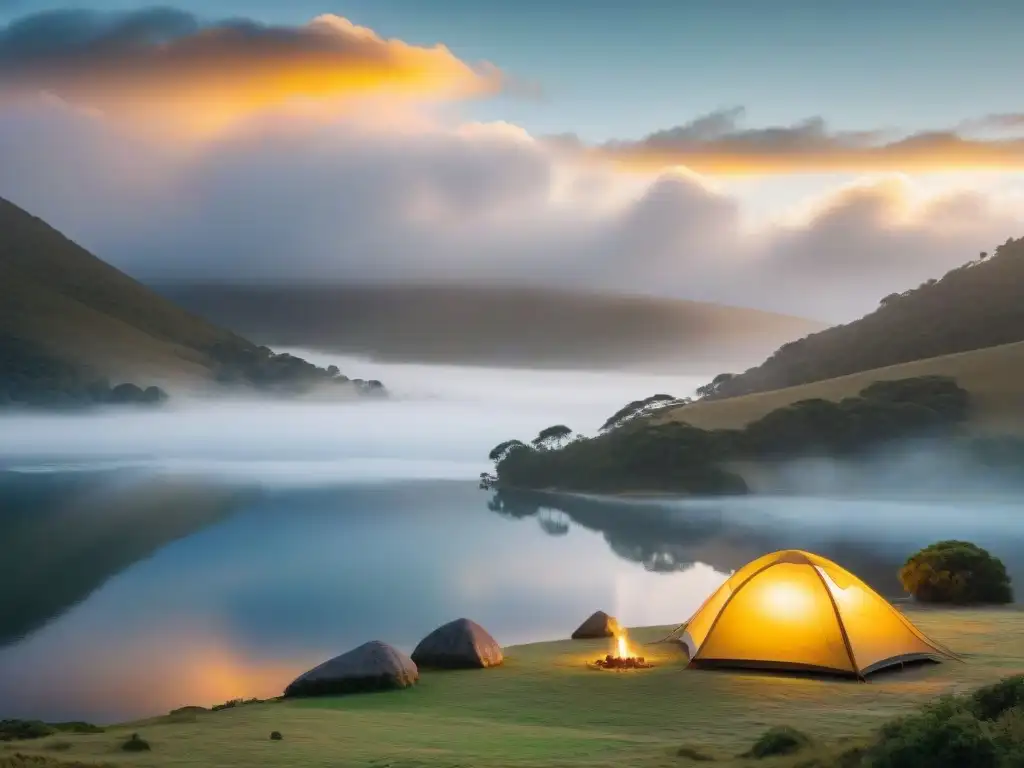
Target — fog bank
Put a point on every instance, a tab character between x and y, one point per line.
440	423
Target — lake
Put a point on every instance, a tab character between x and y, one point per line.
130	592
210	551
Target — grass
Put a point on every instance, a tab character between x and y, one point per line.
993	376
543	707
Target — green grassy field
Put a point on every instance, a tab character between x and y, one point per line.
993	377
544	707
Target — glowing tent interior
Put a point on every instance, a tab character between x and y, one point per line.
792	610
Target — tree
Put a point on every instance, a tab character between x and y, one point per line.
956	572
554	435
887	300
501	450
333	370
637	408
715	386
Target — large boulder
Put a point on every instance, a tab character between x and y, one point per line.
459	644
600	624
373	666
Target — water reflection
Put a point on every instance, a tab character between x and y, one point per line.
872	537
128	594
66	535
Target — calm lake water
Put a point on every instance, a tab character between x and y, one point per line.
128	592
213	550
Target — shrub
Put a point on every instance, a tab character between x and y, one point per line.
135	744
990	702
956	572
17	730
944	736
232	703
780	740
276	736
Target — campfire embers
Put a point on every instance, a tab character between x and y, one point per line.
618	662
622	658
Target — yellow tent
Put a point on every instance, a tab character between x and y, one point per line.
792	610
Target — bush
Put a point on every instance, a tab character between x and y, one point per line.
780	740
956	572
944	736
276	736
17	730
992	701
135	744
982	730
232	703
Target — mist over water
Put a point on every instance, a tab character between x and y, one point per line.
248	540
439	423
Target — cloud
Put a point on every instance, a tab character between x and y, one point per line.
162	64
716	144
486	204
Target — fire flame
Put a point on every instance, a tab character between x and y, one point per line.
622	650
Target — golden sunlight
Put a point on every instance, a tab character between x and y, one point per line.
206	81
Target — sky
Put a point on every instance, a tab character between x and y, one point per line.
801	157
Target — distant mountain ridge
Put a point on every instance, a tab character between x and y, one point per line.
66	314
975	306
495	325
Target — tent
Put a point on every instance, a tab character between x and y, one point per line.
792	610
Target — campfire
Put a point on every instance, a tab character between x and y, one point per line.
622	656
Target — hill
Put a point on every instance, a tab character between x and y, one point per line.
992	377
498	326
68	318
977	305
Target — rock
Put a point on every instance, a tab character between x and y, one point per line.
600	624
373	666
459	644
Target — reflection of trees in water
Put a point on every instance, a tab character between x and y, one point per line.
667	538
553	522
63	535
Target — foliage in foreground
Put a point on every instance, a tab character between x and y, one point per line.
676	457
956	572
984	729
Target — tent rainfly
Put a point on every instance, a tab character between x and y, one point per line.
792	610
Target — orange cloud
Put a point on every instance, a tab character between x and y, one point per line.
715	145
161	63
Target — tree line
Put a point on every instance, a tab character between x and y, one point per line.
29	378
633	454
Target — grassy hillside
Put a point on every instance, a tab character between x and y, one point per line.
66	314
544	707
59	296
994	378
978	305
